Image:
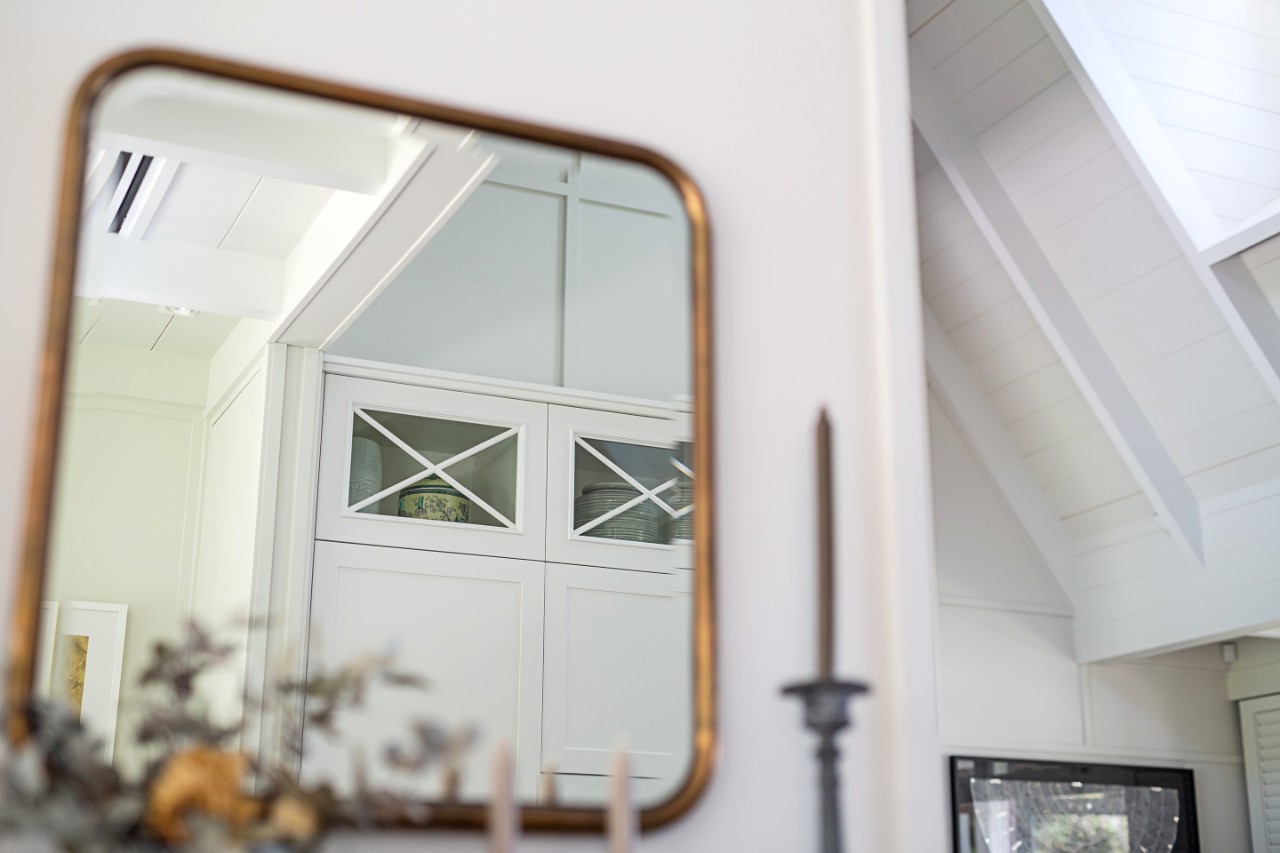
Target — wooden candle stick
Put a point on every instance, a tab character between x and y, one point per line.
826	699
826	553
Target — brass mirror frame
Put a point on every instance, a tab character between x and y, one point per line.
52	378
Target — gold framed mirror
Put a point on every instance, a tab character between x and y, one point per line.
352	373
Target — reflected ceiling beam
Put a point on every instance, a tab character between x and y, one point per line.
1054	309
357	245
1120	105
1165	178
972	414
341	155
179	275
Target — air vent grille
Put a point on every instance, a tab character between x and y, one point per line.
139	174
123	190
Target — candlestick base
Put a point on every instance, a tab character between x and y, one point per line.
826	712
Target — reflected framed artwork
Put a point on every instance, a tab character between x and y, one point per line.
87	664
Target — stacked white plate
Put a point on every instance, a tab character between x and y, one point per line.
640	523
678	497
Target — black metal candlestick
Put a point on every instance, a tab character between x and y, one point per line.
826	712
826	699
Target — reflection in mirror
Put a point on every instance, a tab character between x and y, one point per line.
374	383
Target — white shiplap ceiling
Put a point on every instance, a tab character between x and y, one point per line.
1209	72
1005	88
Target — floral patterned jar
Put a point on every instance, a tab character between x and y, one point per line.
435	500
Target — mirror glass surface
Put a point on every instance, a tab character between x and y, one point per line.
345	382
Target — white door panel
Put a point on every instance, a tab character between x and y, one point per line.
618	669
472	626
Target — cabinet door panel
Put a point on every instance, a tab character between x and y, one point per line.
588	789
618	667
426	468
472	626
619	490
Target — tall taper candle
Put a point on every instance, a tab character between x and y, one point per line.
503	817
622	819
826	553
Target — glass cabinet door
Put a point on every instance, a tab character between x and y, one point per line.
427	468
621	490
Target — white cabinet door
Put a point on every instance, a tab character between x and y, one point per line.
619	490
472	626
474	464
1260	729
619	666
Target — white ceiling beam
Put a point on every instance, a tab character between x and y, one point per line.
358	245
1144	143
1164	176
1249	312
154	272
972	414
1258	228
343	156
1054	309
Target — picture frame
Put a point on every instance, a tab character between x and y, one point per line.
86	663
1119	806
44	662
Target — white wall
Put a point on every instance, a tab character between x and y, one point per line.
792	118
125	500
1256	670
1008	682
226	554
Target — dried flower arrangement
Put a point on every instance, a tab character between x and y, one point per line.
195	794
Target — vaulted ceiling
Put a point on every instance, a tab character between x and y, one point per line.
1097	186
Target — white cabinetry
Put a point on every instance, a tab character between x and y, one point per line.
617	660
642	457
554	623
472	625
589	290
490	449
